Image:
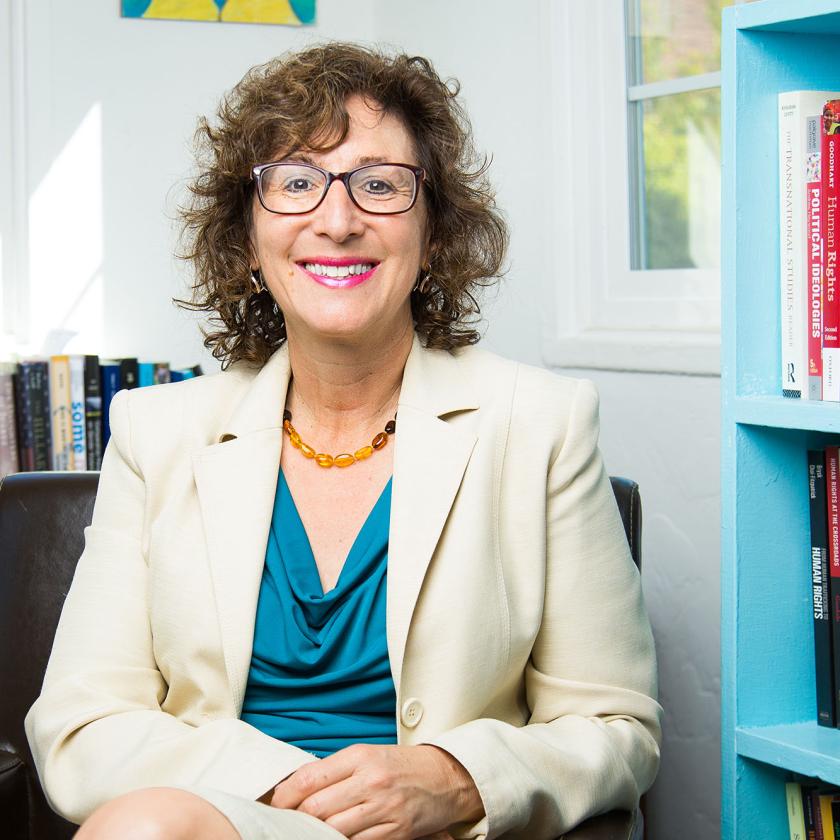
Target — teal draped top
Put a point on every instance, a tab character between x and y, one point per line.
320	677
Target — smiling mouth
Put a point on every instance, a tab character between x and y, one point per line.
343	276
338	271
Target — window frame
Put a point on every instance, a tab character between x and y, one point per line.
14	213
605	314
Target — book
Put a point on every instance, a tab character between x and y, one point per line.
110	378
835	816
93	412
826	818
9	462
77	413
33	414
794	107
832	478
820	600
146	374
162	373
60	420
808	814
814	253
829	161
129	373
796	821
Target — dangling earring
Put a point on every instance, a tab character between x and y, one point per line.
425	282
257	284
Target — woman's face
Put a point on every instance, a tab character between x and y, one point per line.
288	249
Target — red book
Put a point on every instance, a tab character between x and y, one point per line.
832	480
829	164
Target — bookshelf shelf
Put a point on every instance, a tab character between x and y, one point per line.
800	747
781	413
768	705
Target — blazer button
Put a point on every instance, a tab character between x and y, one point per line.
412	711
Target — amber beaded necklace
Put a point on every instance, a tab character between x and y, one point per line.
343	460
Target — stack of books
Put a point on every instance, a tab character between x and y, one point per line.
54	412
809	180
813	810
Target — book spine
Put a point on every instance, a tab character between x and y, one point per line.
41	417
110	374
829	152
9	462
835	816
62	431
77	412
826	822
823	660
93	412
146	374
129	373
796	822
808	812
814	256
789	158
832	477
162	373
23	405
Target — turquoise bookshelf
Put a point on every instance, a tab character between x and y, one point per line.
768	706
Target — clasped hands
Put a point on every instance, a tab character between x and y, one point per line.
376	792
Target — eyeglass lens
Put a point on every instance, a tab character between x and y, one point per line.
297	188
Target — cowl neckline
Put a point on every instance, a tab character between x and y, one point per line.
299	559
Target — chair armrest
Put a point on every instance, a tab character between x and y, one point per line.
14	801
616	825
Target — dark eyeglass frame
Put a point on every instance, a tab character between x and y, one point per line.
257	171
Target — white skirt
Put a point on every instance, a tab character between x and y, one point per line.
255	821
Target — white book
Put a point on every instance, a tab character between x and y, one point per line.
794	109
78	450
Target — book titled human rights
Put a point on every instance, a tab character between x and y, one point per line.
820	598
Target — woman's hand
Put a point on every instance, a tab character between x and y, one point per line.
372	792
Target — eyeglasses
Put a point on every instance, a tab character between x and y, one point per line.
380	188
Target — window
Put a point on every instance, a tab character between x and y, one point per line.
637	126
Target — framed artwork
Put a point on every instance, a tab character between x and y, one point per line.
288	12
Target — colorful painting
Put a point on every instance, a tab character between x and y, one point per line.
289	12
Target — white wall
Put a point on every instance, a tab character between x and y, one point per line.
111	106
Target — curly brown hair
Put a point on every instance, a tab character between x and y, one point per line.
298	101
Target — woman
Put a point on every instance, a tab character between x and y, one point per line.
230	660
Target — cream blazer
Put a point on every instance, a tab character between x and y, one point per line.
516	628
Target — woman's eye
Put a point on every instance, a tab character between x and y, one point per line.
296	185
378	187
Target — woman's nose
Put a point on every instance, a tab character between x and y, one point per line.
337	216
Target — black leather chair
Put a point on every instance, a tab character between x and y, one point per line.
42	517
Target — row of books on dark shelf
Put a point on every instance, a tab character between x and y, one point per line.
54	411
809	195
813	809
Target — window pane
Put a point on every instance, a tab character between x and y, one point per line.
677	213
673	38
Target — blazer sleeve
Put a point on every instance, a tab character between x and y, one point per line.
97	729
591	744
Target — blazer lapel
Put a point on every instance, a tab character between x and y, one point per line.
429	462
236	480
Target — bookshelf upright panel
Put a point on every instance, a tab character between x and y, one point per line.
768	705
